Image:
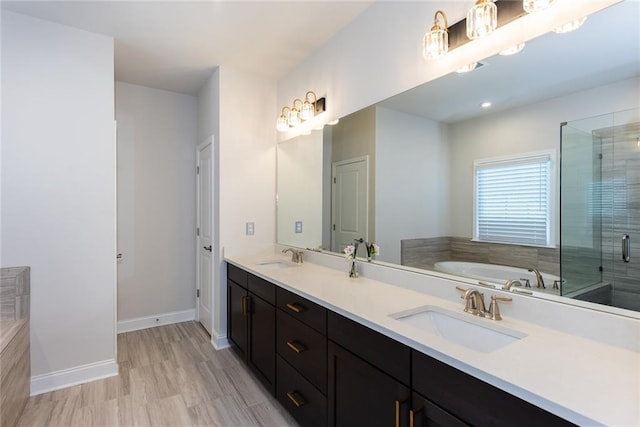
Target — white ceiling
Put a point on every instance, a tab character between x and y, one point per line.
605	49
175	45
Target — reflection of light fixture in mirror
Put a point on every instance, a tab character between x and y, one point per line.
570	26
486	104
436	41
308	109
482	19
512	50
531	6
294	114
282	124
467	68
333	122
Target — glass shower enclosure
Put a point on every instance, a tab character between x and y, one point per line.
600	209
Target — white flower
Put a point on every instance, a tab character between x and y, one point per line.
349	251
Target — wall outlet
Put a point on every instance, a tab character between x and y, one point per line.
298	226
250	228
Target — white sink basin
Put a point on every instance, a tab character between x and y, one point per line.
278	264
477	334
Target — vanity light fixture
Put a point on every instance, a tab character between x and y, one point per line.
512	50
294	114
531	6
282	124
482	19
300	111
570	26
308	109
486	104
436	41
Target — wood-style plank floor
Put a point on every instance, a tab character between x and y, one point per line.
169	376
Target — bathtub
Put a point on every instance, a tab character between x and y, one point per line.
493	273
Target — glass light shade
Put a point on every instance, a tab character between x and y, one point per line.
482	19
570	26
294	117
282	124
307	111
467	68
531	6
512	50
436	43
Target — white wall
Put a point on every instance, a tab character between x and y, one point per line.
300	185
379	54
156	201
59	191
412	198
530	128
238	108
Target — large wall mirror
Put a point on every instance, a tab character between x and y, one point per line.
424	174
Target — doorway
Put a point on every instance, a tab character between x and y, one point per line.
350	201
205	234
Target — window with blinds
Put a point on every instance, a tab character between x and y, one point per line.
513	198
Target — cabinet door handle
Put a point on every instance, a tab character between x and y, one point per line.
244	309
295	307
626	247
296	398
398	404
296	346
412	416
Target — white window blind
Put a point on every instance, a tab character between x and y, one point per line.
513	200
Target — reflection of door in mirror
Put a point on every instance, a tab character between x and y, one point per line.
349	201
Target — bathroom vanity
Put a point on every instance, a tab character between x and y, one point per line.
341	351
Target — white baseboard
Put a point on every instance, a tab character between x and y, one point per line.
219	341
73	376
156	320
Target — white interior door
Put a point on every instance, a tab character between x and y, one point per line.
350	202
205	234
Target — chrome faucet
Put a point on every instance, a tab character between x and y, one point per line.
296	255
538	278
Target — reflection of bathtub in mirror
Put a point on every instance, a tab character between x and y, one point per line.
496	274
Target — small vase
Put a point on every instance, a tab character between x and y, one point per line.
353	269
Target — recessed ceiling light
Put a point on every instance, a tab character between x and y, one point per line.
486	104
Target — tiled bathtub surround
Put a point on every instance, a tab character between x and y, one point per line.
425	252
15	375
14	293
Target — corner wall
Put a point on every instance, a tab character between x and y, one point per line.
59	193
156	204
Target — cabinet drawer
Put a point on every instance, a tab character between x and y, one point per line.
381	351
262	288
238	275
303	401
462	395
304	310
304	348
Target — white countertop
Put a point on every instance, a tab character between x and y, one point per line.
582	380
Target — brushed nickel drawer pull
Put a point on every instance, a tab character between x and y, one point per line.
296	346
295	307
299	401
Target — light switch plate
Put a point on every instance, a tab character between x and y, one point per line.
250	228
298	226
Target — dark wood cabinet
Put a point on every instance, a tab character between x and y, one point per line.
327	369
362	395
237	326
424	413
474	401
251	323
